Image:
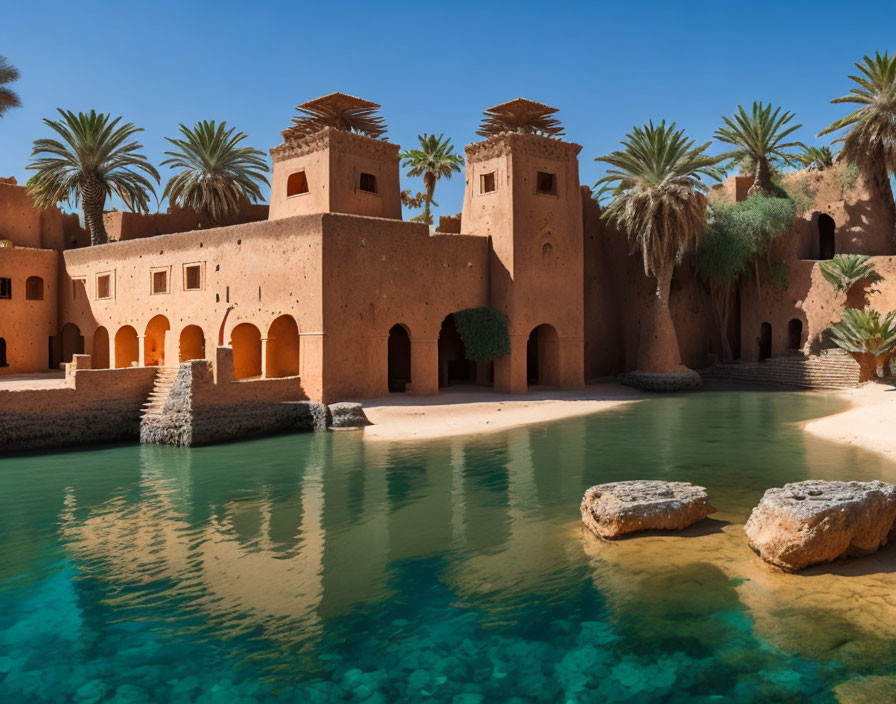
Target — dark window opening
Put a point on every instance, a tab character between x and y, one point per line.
160	282
399	358
546	184
296	184
104	286
368	183
5	288
827	241
487	182
3	362
34	288
765	341
193	278
794	333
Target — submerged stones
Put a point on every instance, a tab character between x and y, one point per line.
611	510
685	380
814	521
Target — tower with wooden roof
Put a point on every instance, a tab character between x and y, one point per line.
334	158
522	190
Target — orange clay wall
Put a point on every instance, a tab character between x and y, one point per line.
26	325
258	271
130	226
378	273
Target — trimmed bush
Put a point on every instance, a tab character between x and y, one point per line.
484	332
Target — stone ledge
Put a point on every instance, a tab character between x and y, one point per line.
663	382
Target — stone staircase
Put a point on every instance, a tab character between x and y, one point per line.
154	408
832	369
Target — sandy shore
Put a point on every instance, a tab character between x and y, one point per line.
468	410
870	423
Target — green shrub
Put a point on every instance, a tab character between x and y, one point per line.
780	275
849	174
844	270
864	331
484	332
801	192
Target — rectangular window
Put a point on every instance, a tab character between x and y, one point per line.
296	184
5	288
192	277
487	182
103	286
546	184
368	183
160	281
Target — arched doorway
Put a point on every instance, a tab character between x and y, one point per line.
827	241
192	343
794	333
543	356
282	350
100	358
454	367
246	342
154	342
127	348
72	341
765	341
399	358
3	362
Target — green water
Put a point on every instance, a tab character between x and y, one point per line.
321	568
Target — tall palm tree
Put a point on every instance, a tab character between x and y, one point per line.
95	157
8	97
434	159
659	201
760	140
216	173
870	143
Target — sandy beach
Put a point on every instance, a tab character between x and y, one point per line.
870	423
469	410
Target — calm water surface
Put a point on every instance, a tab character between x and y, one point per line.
321	568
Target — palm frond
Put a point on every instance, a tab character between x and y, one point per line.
865	331
8	97
338	111
844	270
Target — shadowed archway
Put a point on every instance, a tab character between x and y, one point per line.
127	347
191	343
794	334
543	356
72	341
765	341
246	342
399	358
454	367
100	357
282	349
154	343
827	239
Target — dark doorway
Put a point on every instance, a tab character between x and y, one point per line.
542	356
827	246
3	362
765	341
454	367
794	333
399	358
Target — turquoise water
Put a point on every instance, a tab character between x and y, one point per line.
322	568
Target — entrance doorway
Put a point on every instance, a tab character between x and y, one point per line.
827	241
399	358
765	341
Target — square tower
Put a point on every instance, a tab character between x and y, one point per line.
334	159
522	190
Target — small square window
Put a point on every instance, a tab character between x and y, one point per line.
104	286
546	184
487	182
368	183
296	184
5	288
192	277
160	281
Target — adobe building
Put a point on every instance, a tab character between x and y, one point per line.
333	291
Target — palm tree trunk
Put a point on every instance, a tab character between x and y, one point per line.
658	348
93	198
762	181
880	185
429	183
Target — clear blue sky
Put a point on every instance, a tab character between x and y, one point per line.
432	66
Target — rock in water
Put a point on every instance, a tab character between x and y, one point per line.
813	522
347	415
611	510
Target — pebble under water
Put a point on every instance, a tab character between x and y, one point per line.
325	568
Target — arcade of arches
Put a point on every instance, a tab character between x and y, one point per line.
282	348
192	343
154	342
127	347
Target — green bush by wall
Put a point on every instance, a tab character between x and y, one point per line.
484	332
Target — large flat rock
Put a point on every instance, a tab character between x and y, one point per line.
815	521
611	510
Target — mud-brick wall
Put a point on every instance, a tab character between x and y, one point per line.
97	406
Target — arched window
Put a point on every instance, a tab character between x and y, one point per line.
34	288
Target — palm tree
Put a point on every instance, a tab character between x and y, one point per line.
659	200
870	143
865	332
216	174
434	159
96	157
759	137
845	270
8	97
817	158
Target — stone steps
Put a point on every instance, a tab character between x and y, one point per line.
833	369
155	405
